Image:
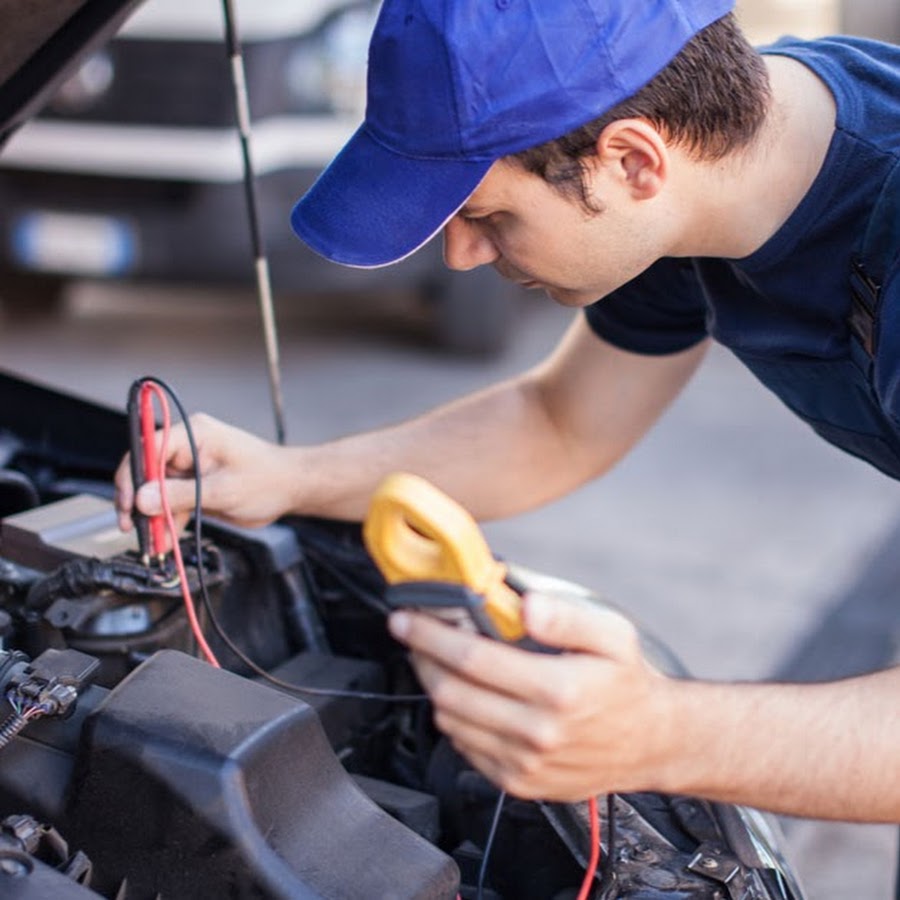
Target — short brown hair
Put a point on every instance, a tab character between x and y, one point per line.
711	99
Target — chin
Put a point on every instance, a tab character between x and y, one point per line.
571	297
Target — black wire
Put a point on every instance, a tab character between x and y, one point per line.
207	603
489	845
369	597
607	871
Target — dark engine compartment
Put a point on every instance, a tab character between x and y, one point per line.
147	773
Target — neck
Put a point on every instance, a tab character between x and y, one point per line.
735	205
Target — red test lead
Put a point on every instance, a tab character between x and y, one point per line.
151	465
144	467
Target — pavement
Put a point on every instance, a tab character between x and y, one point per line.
749	546
732	532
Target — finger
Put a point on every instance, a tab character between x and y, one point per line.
481	707
497	666
579	625
124	521
124	492
179	457
524	774
478	746
180	492
180	521
520	772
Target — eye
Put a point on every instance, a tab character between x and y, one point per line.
484	218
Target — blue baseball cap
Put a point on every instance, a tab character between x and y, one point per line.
454	85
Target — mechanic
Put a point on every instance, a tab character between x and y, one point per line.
704	191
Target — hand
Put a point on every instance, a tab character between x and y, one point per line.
565	727
243	477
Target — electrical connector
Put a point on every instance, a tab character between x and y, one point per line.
52	682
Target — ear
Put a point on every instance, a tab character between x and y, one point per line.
635	155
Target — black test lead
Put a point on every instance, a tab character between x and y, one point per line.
141	522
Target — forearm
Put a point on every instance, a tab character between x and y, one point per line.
821	750
600	719
513	446
496	452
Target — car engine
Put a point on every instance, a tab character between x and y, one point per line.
132	769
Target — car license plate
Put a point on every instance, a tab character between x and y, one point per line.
73	243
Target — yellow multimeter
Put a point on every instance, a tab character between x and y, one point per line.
435	559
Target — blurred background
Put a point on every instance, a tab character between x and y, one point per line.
733	533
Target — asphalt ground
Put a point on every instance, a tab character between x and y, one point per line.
732	532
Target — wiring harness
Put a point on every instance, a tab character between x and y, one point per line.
49	686
150	386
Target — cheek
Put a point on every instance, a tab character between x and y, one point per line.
533	245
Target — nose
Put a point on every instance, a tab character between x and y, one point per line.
467	246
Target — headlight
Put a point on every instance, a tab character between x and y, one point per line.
327	71
87	86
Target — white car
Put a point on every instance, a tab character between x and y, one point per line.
134	169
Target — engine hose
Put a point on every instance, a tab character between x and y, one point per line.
13	724
79	577
72	579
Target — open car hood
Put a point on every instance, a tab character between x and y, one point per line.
41	44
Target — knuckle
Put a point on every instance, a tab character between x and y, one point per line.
443	723
543	737
442	694
467	652
200	421
632	639
509	783
564	696
626	631
528	765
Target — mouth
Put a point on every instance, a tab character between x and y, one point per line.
515	276
527	283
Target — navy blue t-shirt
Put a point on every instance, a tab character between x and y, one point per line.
784	310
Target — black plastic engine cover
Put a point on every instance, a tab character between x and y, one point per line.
195	782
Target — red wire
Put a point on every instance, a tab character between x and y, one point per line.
173	531
594	860
593	814
151	464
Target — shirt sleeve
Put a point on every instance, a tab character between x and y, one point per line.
887	358
661	311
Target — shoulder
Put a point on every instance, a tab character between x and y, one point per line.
661	311
864	77
854	55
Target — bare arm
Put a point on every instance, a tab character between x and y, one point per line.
515	445
500	451
600	719
819	750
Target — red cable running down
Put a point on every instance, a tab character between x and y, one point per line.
154	388
591	870
173	531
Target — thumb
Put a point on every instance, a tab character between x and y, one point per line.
580	625
180	493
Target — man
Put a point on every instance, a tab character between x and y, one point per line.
644	162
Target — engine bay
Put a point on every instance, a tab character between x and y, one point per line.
130	768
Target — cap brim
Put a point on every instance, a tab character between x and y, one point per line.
372	207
